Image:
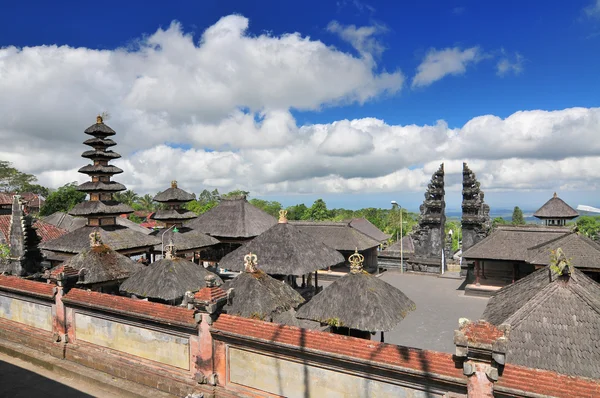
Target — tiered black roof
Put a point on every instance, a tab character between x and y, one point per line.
174	197
101	187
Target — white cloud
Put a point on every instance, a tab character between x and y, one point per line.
440	63
361	38
593	9
506	66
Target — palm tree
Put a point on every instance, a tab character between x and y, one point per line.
128	197
147	202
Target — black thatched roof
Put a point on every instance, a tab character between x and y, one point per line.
512	242
583	252
94	154
167	279
554	322
359	301
173	214
556	208
127	223
337	235
99	129
366	227
98	264
185	239
100	142
174	194
116	237
233	218
283	249
100	207
65	221
111	186
99	169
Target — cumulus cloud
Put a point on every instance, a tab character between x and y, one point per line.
440	63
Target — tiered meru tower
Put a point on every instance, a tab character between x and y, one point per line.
429	235
101	209
173	198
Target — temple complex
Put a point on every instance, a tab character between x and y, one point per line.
101	210
429	236
173	215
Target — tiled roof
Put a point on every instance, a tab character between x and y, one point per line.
127	306
210	294
44	230
556	208
16	284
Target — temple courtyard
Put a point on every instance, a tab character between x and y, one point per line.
440	303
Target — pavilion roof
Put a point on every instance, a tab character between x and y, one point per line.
337	235
583	252
184	239
233	218
174	194
368	228
65	221
556	208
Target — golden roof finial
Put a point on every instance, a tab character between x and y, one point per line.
170	251
283	217
250	262
99	119
356	262
554	195
95	239
174	184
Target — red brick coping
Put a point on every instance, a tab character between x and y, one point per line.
24	286
157	312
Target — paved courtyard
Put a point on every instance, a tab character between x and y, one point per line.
439	306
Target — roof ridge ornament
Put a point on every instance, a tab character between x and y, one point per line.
170	251
250	262
559	262
95	239
174	184
283	217
99	119
356	262
555	195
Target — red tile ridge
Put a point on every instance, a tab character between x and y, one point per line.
210	294
20	285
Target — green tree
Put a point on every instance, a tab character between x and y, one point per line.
13	180
498	221
456	228
517	216
128	197
589	226
63	199
296	212
146	202
317	212
237	192
271	207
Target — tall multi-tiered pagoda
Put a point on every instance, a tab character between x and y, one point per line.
101	210
173	215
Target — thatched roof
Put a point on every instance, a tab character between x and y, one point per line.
174	194
408	246
99	169
366	227
283	249
359	301
65	221
185	239
337	235
91	207
100	142
257	295
167	279
511	242
583	252
233	218
99	129
173	214
554	322
111	186
125	222
116	237
99	263
289	318
556	208
94	154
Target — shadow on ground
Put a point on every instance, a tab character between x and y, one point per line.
19	382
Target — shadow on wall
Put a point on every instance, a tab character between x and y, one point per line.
19	382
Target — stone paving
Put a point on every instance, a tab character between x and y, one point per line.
439	306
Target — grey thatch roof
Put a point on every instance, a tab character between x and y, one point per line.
556	208
408	247
90	207
167	279
554	322
257	295
115	236
185	239
289	318
511	242
583	252
99	169
65	221
125	222
94	154
233	218
100	129
358	301
337	235
173	214
366	227
283	249
111	186
100	264
102	142
174	194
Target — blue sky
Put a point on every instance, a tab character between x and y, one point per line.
550	49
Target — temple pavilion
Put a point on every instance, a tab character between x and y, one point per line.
556	212
185	239
101	210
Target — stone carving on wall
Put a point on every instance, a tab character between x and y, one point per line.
475	213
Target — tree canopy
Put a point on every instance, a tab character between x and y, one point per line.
63	199
589	226
13	180
517	216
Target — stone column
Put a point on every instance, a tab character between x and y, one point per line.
481	347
